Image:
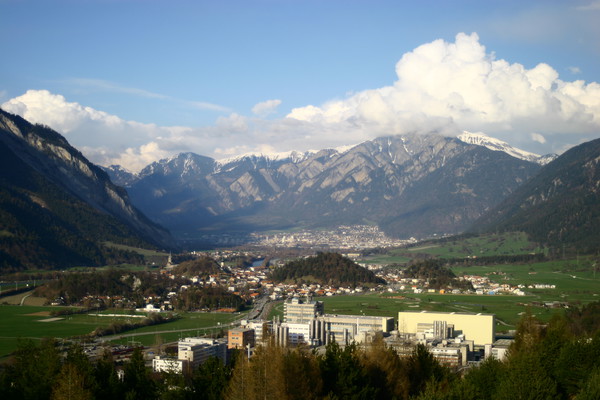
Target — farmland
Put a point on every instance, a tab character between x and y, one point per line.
35	322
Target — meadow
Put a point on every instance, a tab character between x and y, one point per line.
504	244
35	322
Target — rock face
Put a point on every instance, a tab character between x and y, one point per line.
42	155
409	185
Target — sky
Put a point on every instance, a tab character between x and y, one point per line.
130	82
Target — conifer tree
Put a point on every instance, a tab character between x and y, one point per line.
71	384
136	381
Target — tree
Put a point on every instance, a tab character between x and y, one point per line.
34	370
108	387
71	384
526	379
386	370
136	381
343	375
301	375
423	368
591	387
480	383
210	380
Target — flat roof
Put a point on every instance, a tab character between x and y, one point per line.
443	312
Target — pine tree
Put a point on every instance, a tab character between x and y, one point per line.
137	382
71	384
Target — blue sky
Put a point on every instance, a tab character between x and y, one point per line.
132	81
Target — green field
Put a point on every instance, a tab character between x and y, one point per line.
29	322
191	324
144	252
511	243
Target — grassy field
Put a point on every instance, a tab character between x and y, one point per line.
144	252
510	243
191	324
36	323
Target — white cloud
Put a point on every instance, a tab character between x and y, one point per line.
266	108
536	137
574	70
440	86
462	83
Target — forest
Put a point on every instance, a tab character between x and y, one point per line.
436	273
555	360
326	269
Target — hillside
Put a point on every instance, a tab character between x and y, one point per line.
326	269
56	208
560	206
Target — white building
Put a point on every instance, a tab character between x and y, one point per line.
191	352
197	350
169	364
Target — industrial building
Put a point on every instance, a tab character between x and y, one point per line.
479	328
297	311
191	352
240	338
304	322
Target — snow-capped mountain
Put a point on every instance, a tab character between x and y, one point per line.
481	139
409	185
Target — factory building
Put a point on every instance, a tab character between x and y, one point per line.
479	328
240	338
297	311
191	352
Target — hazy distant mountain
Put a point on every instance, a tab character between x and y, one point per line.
56	208
409	185
560	206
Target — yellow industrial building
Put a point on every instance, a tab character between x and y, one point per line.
480	328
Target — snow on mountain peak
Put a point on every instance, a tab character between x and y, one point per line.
481	139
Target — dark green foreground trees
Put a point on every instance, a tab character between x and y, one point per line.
555	360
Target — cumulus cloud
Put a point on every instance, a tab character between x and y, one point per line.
440	86
266	108
464	84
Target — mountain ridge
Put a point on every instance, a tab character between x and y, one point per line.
55	201
560	206
369	183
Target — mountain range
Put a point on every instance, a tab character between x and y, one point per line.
57	209
414	185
